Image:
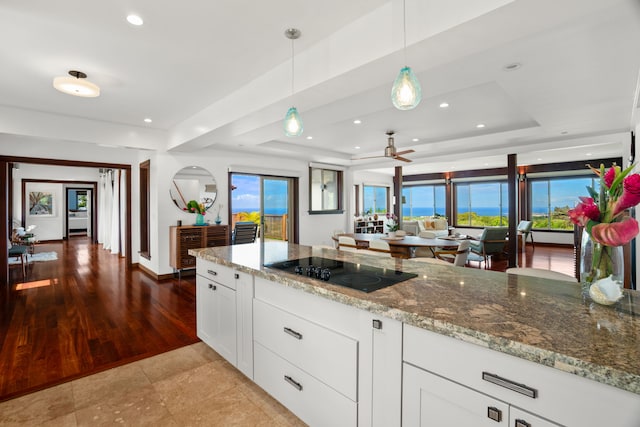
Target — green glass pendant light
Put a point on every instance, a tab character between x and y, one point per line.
292	122
406	92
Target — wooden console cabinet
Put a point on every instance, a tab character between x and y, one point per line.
183	238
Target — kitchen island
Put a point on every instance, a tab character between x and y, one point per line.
541	327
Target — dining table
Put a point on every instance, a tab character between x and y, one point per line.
402	246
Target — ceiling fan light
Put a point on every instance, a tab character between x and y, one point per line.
406	92
293	123
76	86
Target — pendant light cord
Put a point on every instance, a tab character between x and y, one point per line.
404	30
292	69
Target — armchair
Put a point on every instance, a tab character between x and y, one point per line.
491	242
524	228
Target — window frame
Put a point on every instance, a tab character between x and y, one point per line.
502	182
548	179
434	187
387	195
313	189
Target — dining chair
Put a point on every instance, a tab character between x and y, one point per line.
491	242
244	232
379	247
456	256
347	244
541	273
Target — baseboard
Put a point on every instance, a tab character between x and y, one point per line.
160	277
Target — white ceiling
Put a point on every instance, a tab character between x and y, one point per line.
218	75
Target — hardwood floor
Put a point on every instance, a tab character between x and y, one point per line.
84	313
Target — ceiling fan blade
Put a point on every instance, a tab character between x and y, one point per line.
402	158
399	153
370	157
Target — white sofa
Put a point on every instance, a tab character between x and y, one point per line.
438	226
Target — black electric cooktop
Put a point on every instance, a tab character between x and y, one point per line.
364	278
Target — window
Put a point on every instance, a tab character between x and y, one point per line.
375	199
325	191
81	200
551	198
482	204
421	201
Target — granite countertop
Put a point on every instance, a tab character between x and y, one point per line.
541	320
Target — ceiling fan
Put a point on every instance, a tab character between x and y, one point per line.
390	150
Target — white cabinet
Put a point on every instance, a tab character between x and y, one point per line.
224	314
432	401
216	317
443	374
329	363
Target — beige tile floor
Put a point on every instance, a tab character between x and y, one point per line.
190	386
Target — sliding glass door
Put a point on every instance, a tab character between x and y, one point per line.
266	200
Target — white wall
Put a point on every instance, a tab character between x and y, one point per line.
48	227
314	229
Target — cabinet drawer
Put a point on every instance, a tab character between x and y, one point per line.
430	400
327	355
310	399
562	397
216	272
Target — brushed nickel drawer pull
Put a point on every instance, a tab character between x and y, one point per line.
522	423
511	385
494	413
211	272
293	382
296	335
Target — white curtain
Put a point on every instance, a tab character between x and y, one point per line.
111	211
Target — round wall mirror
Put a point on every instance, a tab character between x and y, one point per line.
193	183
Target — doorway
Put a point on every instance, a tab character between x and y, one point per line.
79	203
269	201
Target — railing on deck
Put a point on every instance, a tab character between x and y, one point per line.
275	226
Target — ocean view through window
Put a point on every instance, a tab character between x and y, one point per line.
482	204
551	198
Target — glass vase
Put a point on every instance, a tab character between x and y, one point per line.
199	219
601	270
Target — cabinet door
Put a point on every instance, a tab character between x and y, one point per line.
216	317
244	322
520	418
432	401
204	311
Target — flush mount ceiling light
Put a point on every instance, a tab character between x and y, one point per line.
76	85
406	92
292	121
135	20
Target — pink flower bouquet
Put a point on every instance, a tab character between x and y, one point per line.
603	217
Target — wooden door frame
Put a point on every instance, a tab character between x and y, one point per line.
6	182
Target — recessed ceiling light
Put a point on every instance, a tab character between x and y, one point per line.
480	125
415	139
135	20
512	67
444	105
589	154
357	147
357	122
539	159
148	120
309	137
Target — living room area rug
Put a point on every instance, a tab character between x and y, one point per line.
43	256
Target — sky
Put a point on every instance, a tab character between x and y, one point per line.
246	195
